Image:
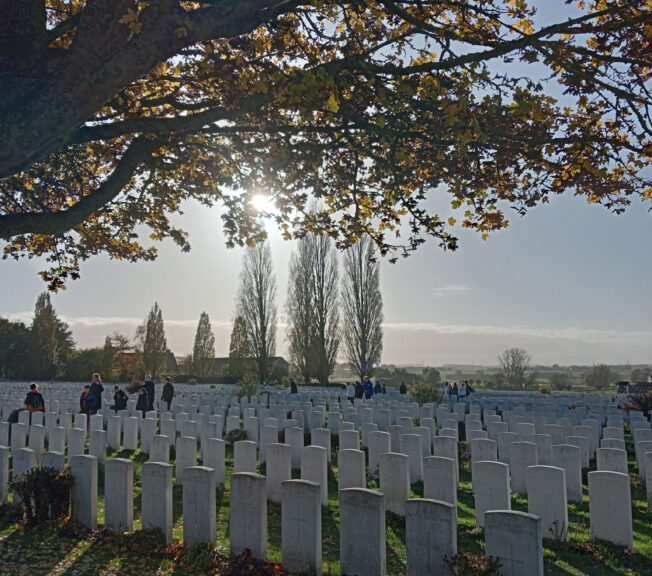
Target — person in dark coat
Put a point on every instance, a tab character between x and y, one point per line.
96	390
358	390
378	388
293	387
119	399
143	401
149	389
168	392
402	388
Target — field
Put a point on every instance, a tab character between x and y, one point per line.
67	549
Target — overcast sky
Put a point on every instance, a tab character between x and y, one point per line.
569	282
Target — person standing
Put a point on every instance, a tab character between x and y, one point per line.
119	399
367	387
377	388
402	388
293	387
87	403
34	401
96	390
143	401
358	389
462	391
149	389
168	392
350	392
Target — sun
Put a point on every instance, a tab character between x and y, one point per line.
262	203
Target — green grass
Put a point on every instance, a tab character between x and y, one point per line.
66	549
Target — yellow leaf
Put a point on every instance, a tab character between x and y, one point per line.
451	221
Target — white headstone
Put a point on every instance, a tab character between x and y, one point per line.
199	511
314	467
491	488
248	514
84	490
515	538
362	511
118	495
546	497
610	507
430	536
301	526
156	498
395	481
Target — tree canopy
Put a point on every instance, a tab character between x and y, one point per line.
115	113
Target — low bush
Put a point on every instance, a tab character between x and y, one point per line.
235	436
470	564
45	493
543	389
423	393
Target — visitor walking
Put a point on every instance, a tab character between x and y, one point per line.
149	389
367	387
350	392
168	392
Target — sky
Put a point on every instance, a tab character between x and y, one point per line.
569	282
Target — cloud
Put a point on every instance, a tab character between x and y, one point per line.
450	290
589	335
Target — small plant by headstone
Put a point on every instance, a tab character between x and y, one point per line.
470	564
235	436
45	493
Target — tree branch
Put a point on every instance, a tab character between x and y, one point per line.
55	223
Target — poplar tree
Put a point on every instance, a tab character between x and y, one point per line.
50	340
154	345
203	351
257	305
362	307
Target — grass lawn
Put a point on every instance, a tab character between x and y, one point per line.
67	549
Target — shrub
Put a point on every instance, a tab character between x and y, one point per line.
285	382
45	492
248	386
543	389
235	436
641	402
192	381
470	564
423	393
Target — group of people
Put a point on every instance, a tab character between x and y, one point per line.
90	400
463	392
365	389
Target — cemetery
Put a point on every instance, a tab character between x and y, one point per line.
519	483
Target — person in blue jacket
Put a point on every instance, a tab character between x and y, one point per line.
367	387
